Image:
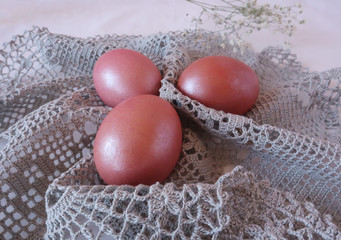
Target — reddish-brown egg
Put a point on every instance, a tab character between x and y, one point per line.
122	73
222	83
138	142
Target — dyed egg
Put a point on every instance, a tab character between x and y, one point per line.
138	142
222	83
122	73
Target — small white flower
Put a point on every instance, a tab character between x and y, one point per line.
241	17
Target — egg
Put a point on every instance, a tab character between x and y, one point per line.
123	73
138	142
222	83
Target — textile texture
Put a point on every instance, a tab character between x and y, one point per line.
287	179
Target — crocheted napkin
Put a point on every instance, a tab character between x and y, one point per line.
287	182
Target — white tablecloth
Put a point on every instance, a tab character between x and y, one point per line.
316	43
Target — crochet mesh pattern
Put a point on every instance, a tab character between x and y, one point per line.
287	183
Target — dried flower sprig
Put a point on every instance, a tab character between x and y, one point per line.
238	18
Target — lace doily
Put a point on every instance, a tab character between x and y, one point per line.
287	183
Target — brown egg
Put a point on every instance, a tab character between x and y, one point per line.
222	83
122	73
138	142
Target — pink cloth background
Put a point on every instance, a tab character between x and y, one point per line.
316	43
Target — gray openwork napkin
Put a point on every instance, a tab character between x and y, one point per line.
287	146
